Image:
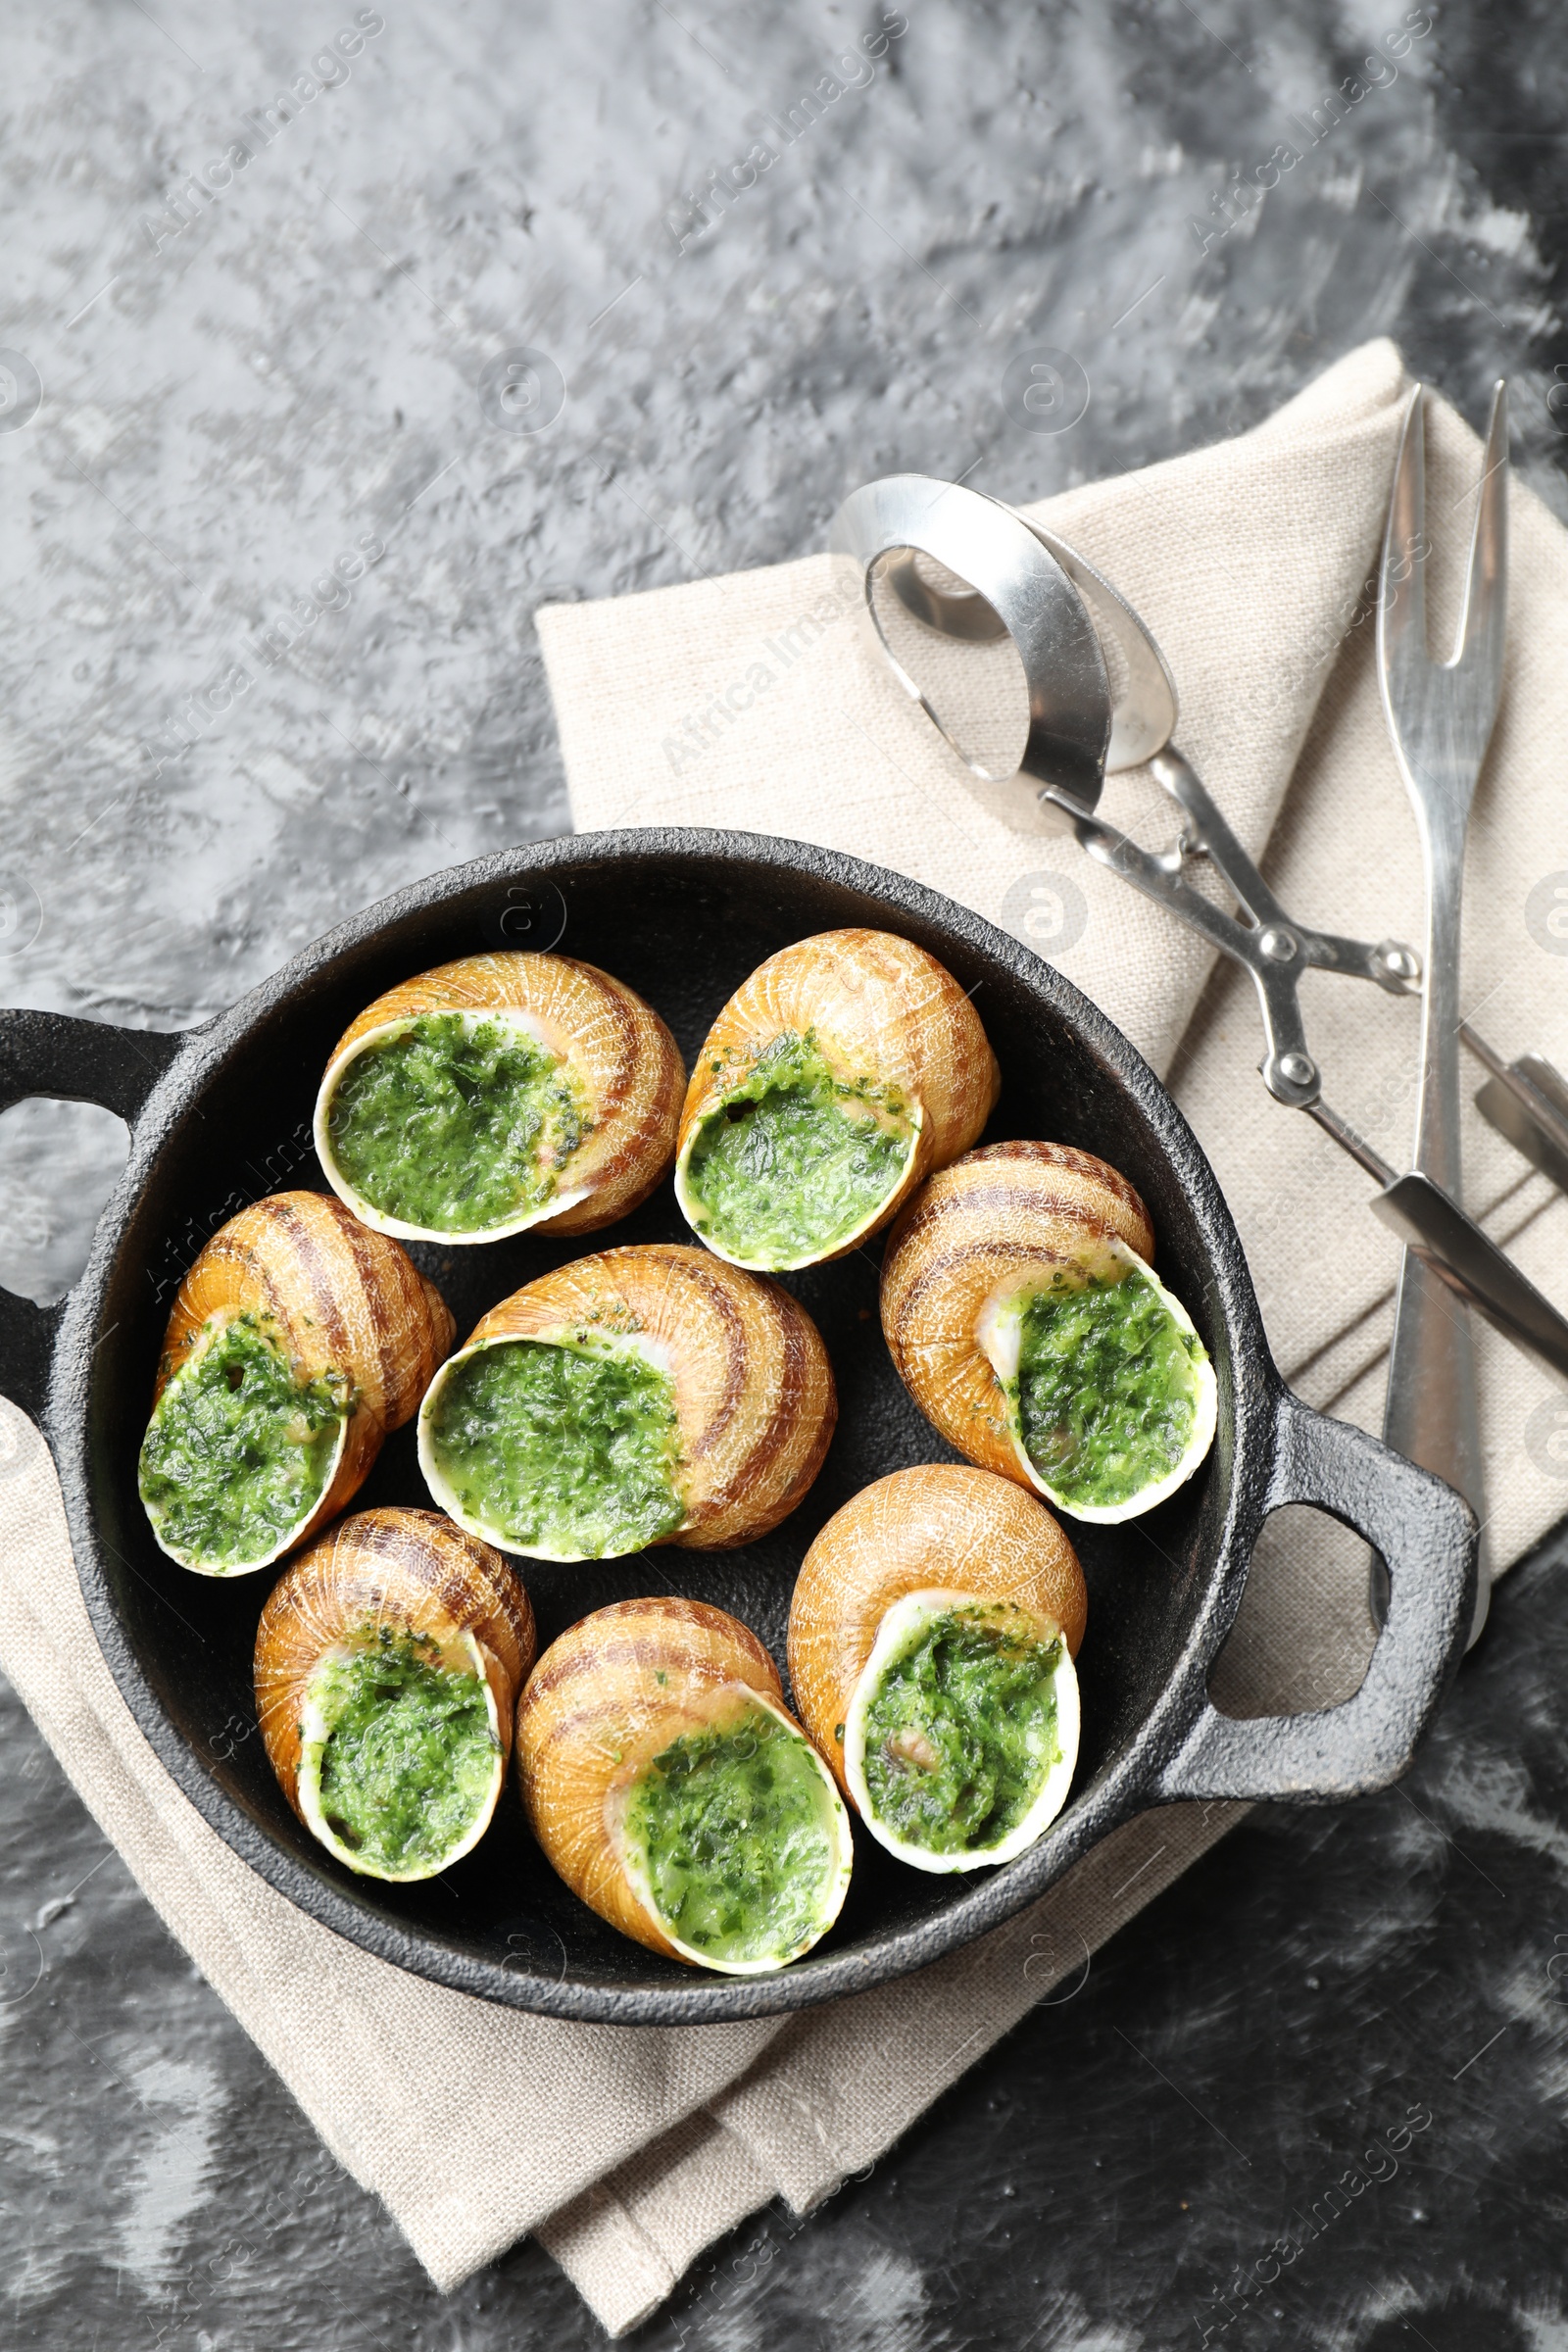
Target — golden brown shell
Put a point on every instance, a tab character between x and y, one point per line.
409	1570
938	1529
1011	1211
878	1006
610	1695
755	1398
621	1052
339	1299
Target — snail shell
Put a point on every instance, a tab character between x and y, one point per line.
885	1022
918	1549
754	1399
610	1698
618	1065
981	1237
342	1305
387	1582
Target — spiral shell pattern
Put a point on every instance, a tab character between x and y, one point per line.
878	1008
410	1571
616	1691
755	1400
936	1529
339	1297
618	1051
997	1218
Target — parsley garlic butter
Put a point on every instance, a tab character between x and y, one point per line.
842	1072
641	1396
1027	1322
673	1790
931	1643
497	1094
389	1659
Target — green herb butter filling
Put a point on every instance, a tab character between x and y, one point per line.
794	1161
238	1452
457	1123
408	1763
1108	1388
961	1730
736	1834
568	1452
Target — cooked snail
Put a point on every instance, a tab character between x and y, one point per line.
1026	1321
389	1660
932	1637
674	1792
842	1071
497	1092
641	1396
296	1341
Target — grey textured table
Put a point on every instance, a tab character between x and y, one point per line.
277	519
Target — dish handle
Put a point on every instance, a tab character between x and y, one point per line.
1426	1537
66	1060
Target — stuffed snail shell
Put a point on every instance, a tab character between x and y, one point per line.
389	1660
296	1341
1028	1324
844	1070
497	1092
672	1789
641	1396
932	1635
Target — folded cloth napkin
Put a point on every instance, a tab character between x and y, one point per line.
749	702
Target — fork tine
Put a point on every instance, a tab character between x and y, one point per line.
1479	639
1401	575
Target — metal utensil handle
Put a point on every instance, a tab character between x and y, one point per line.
66	1060
1433	1408
1428	1538
1465	1259
1527	1102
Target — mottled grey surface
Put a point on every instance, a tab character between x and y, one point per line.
214	749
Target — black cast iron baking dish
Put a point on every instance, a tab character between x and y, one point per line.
221	1116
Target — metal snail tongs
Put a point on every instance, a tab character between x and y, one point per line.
1276	951
1026	583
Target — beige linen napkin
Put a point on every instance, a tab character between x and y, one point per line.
748	701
